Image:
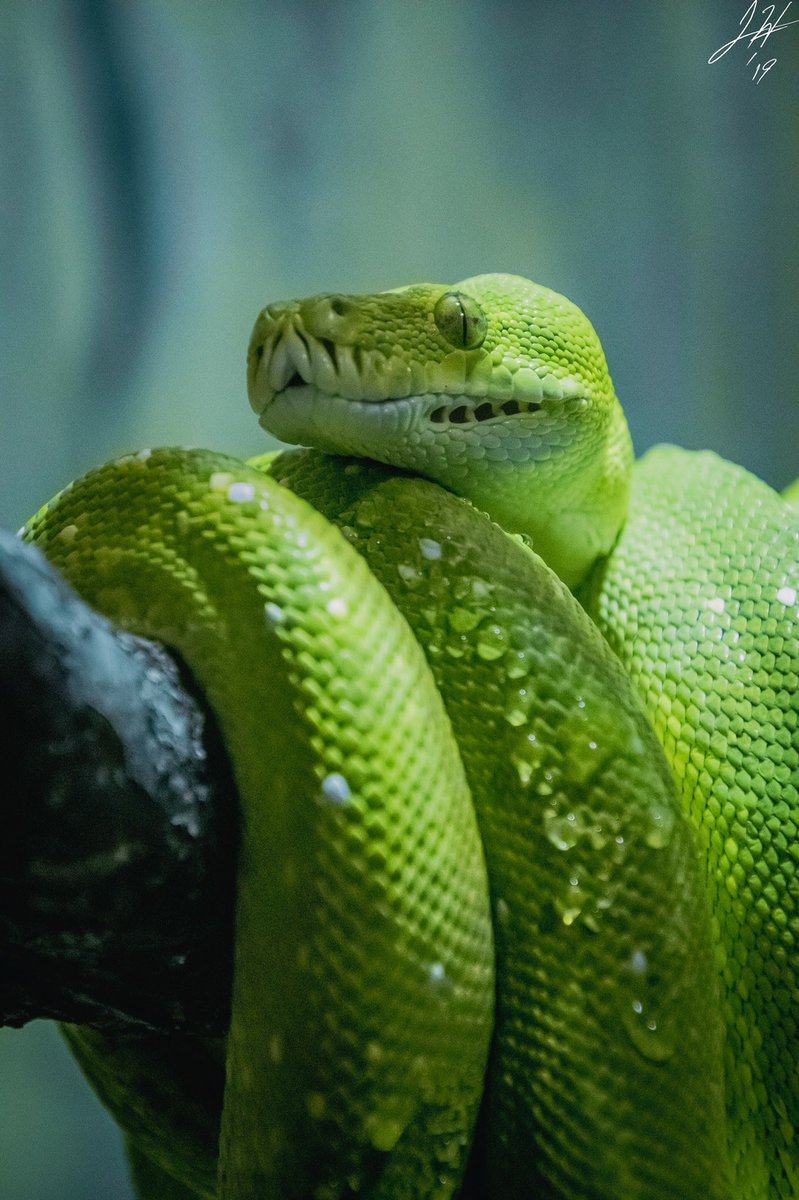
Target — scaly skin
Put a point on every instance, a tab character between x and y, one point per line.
644	898
603	944
699	600
362	900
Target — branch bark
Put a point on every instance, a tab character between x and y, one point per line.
118	807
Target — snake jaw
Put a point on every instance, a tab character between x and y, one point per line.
301	414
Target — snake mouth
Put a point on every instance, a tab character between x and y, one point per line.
286	363
291	368
301	414
442	409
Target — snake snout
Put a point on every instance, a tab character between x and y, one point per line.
280	355
255	355
331	319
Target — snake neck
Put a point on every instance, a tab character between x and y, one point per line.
575	505
570	505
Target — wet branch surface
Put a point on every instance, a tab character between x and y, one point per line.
118	816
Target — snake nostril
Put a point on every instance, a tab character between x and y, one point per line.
259	352
339	305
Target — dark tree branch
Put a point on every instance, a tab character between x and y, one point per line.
117	810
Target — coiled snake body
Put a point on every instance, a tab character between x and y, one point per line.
509	861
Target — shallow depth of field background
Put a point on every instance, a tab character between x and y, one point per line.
169	166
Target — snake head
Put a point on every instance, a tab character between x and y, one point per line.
495	387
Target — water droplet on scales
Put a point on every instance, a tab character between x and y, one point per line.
646	1033
645	1027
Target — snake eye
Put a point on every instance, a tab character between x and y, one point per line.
461	320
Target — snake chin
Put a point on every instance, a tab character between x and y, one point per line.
303	414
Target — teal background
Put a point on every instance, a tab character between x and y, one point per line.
169	166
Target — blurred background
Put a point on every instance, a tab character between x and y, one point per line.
169	166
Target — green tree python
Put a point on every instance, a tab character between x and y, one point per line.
514	730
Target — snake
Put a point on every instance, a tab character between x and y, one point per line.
513	724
